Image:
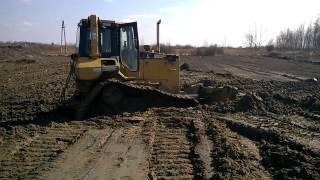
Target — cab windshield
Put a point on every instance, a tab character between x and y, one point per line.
105	41
113	41
84	41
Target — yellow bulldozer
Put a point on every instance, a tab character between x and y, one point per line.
112	75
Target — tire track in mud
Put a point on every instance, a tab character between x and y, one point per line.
76	161
233	156
76	149
190	144
282	156
29	157
162	143
283	131
115	151
175	148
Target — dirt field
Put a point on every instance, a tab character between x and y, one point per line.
271	129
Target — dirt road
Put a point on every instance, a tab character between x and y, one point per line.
255	67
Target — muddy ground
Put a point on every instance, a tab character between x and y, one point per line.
270	130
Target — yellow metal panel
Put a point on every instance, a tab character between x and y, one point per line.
132	74
167	73
88	69
94	36
163	71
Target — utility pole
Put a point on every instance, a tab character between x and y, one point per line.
63	38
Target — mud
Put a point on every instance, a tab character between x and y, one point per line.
269	130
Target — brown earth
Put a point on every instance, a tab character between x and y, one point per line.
270	130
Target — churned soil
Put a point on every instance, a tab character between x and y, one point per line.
270	130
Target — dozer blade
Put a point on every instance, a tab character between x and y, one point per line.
113	96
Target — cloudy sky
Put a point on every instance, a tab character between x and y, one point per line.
224	22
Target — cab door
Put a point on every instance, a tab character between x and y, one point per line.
129	47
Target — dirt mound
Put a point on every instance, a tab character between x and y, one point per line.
213	94
278	56
184	66
250	103
11	46
25	61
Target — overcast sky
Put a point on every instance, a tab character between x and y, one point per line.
224	22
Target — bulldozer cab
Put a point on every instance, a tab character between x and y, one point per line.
110	49
112	40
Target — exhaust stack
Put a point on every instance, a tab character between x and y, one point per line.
158	34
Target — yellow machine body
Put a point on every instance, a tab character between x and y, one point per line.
153	67
160	71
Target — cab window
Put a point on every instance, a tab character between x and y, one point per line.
84	39
105	42
128	51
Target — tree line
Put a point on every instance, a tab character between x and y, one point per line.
307	38
303	37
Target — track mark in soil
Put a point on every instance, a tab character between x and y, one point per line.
284	158
234	156
40	118
203	147
28	159
174	153
116	152
296	128
72	162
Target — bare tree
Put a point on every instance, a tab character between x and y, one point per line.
308	38
255	39
301	38
316	34
270	45
249	40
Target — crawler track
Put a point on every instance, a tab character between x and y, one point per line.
133	98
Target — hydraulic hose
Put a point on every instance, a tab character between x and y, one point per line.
72	65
